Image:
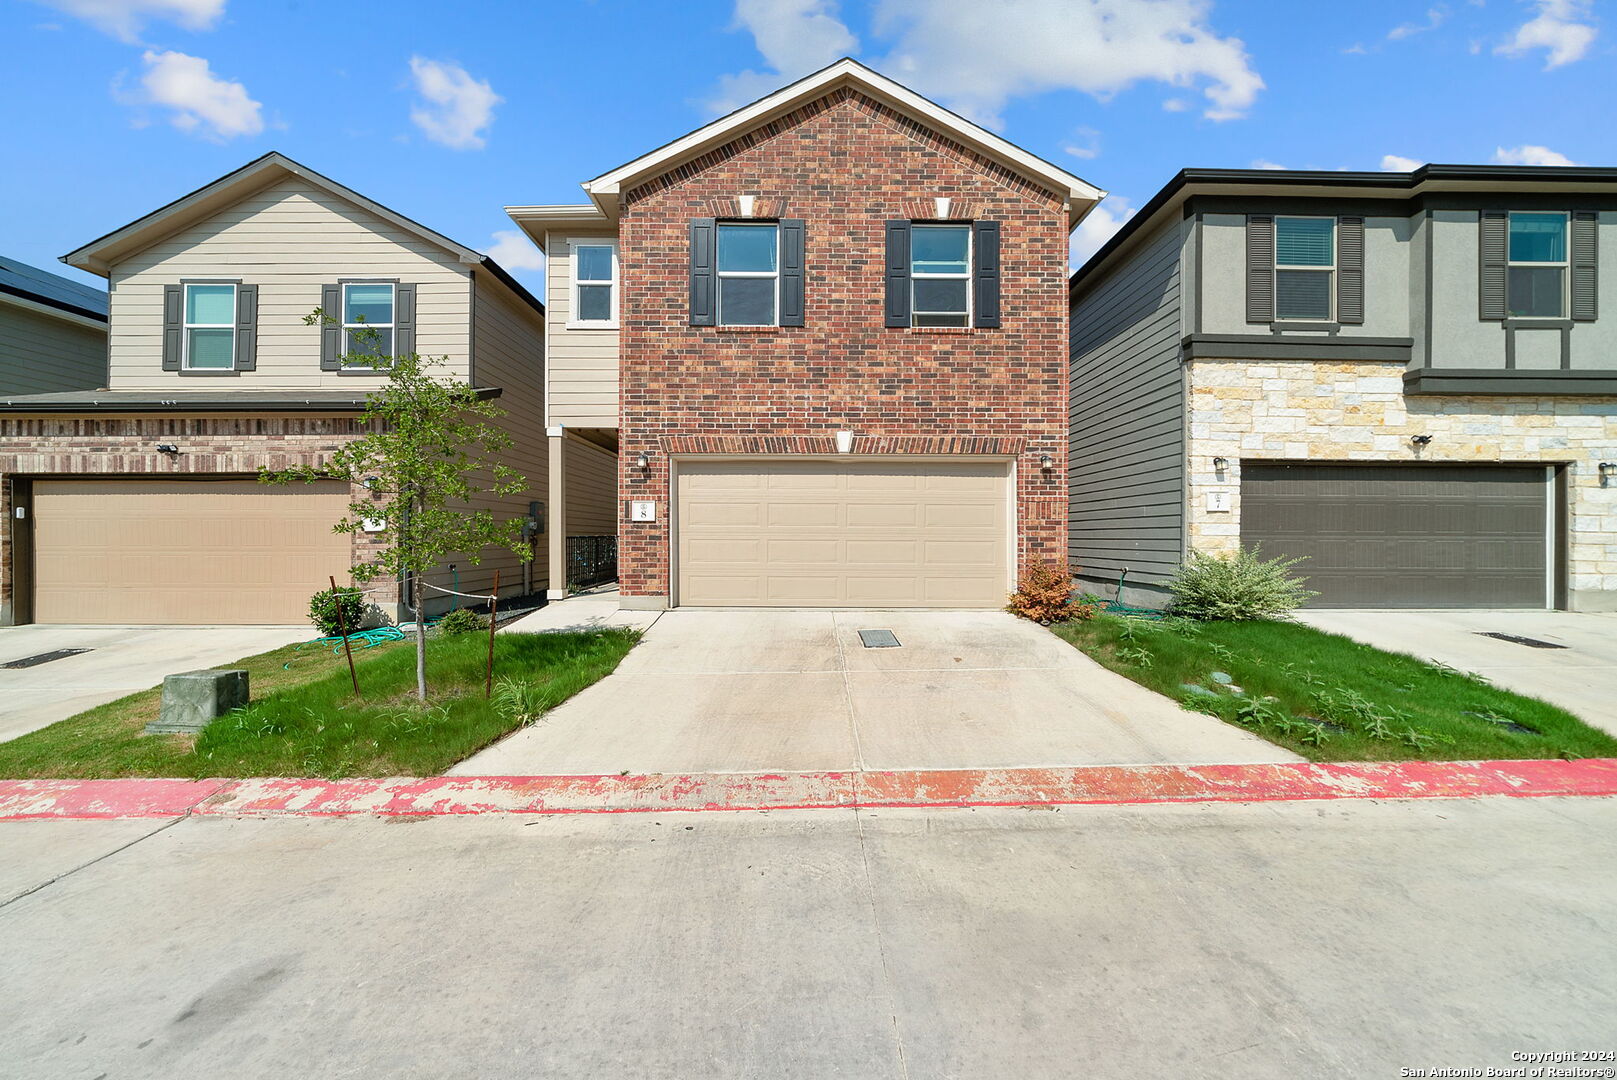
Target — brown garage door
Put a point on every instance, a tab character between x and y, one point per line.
183	551
871	533
1404	536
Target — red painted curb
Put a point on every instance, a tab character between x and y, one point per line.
1134	784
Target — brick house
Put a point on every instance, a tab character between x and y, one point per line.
828	336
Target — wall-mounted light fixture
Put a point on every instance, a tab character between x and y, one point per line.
1220	464
1607	469
167	448
642	460
1420	440
372	483
1046	462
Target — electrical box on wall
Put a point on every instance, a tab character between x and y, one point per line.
1218	502
642	510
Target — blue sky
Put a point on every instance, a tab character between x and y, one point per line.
447	113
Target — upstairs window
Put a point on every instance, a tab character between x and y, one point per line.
1536	266
1305	267
595	284
367	321
940	275
210	328
749	274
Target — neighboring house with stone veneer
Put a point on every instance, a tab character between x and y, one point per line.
1409	378
139	503
53	332
828	334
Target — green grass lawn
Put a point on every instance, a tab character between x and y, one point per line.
305	721
1330	698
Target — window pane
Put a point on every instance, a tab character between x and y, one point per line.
747	301
747	248
940	295
595	303
1305	242
1303	294
212	349
939	320
594	263
939	249
1537	238
1536	291
211	304
370	342
368	303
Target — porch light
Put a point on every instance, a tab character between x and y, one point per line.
1606	470
641	461
1220	464
1046	462
167	448
1420	440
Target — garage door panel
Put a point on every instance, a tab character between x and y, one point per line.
796	552
904	515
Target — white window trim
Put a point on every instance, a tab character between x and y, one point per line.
573	321
1329	271
971	240
342	299
1565	264
720	275
187	326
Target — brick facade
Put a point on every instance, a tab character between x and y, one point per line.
102	446
845	164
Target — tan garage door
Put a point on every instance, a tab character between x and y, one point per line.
870	533
183	551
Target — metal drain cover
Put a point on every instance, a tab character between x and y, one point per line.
879	639
42	658
1531	643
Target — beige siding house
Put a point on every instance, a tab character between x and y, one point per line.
53	332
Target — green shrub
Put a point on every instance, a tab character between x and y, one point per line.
1237	587
324	605
462	621
520	702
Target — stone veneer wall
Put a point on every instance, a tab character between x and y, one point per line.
1295	410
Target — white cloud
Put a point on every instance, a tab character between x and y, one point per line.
458	107
1086	144
976	56
1394	163
514	251
1529	155
1560	28
1356	49
1434	19
1099	227
1261	163
202	102
125	19
1175	104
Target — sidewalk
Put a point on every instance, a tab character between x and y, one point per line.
592	609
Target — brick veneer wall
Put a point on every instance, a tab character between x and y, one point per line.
846	165
126	446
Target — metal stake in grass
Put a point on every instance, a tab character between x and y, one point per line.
493	612
342	624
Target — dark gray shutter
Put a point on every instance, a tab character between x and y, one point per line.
791	271
1260	268
704	252
331	348
246	327
173	325
1350	270
1585	265
985	272
898	273
403	320
1491	265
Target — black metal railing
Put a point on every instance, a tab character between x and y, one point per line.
591	560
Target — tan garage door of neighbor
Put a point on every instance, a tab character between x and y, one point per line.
184	551
870	533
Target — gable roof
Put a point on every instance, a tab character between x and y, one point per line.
51	290
605	189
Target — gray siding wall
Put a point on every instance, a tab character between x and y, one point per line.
40	354
1126	419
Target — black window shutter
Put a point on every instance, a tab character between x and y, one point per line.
1585	266
704	251
791	271
246	327
1350	270
173	325
1260	268
985	272
1491	265
403	320
331	348
898	273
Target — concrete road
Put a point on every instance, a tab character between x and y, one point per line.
750	691
1277	940
1581	677
121	660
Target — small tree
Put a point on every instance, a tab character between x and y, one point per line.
428	437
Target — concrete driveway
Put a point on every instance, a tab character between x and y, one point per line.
1581	678
743	691
121	660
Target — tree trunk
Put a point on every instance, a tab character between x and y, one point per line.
420	639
